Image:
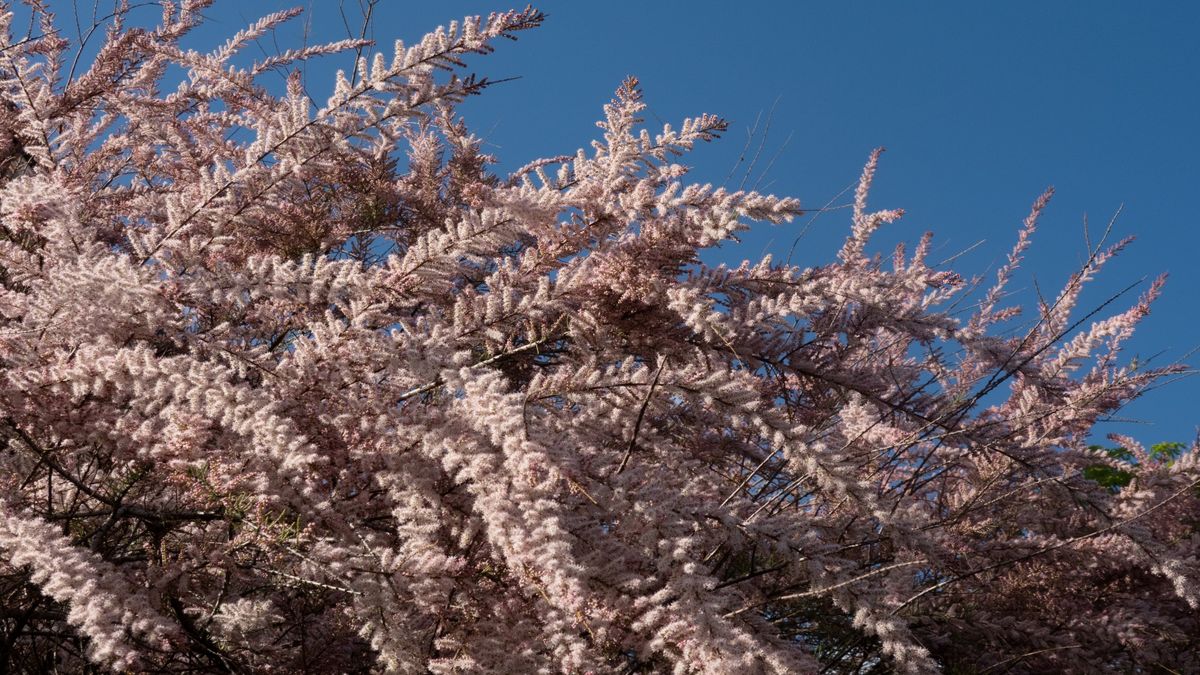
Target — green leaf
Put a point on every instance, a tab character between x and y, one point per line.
1168	451
1107	476
1116	453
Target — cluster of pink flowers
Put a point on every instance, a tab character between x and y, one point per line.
300	388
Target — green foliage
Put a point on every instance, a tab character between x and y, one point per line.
1168	451
1107	476
1115	479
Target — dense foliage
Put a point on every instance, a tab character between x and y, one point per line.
293	387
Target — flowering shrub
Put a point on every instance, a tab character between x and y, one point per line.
288	388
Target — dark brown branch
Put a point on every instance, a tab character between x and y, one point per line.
637	426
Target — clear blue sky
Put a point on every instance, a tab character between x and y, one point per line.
981	106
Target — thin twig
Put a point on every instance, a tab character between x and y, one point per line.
637	426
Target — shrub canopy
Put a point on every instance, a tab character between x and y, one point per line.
304	387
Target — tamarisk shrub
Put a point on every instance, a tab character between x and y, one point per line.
301	387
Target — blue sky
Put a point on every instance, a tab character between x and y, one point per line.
981	106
